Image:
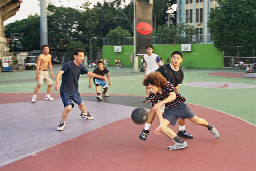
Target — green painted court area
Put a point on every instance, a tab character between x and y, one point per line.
239	102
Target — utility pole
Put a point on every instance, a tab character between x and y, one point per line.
43	24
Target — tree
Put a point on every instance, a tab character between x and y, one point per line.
29	29
63	26
174	34
231	25
116	35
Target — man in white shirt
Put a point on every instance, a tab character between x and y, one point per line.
152	63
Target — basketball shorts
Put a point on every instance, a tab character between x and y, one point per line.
182	111
69	98
99	82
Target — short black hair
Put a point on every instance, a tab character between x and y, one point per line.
44	46
177	52
149	46
78	50
100	62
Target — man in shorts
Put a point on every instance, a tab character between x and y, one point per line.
163	93
100	70
70	73
174	75
42	73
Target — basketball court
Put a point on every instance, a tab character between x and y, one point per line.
29	140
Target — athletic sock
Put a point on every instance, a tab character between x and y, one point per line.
34	96
209	126
147	126
178	140
47	95
182	128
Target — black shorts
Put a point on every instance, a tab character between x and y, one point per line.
182	111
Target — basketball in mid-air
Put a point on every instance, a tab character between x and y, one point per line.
139	115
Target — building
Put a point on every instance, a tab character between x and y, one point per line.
8	8
196	13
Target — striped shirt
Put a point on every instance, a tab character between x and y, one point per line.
166	90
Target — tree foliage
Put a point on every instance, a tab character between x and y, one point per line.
232	24
27	31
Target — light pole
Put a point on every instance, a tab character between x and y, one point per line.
91	49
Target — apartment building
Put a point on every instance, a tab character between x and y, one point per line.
196	13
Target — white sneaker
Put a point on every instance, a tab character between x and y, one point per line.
99	97
178	146
49	98
106	95
61	126
87	116
33	99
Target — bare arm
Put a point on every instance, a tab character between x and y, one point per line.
171	97
145	69
90	82
38	63
57	86
109	81
50	66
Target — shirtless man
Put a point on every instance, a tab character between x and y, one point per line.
42	74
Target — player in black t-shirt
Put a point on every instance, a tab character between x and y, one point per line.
100	70
70	73
175	76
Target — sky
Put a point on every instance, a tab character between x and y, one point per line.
31	7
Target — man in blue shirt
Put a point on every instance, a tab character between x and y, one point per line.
70	73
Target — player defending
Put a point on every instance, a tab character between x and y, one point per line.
100	70
163	93
175	76
70	73
152	63
42	74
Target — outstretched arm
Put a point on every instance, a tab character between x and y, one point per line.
91	74
90	82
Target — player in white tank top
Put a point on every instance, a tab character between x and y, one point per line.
152	63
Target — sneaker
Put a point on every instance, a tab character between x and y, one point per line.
146	100
48	98
144	134
99	98
214	132
184	134
61	126
106	95
33	99
178	146
87	116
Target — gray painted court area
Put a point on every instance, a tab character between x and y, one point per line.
27	128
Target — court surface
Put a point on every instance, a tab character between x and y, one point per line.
29	140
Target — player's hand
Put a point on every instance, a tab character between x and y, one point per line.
52	75
110	84
90	86
37	78
104	78
157	106
158	130
56	87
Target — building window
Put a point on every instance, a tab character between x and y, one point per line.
201	14
191	15
197	1
197	15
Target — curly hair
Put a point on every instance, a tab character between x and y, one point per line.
155	78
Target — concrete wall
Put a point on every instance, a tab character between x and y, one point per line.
201	56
